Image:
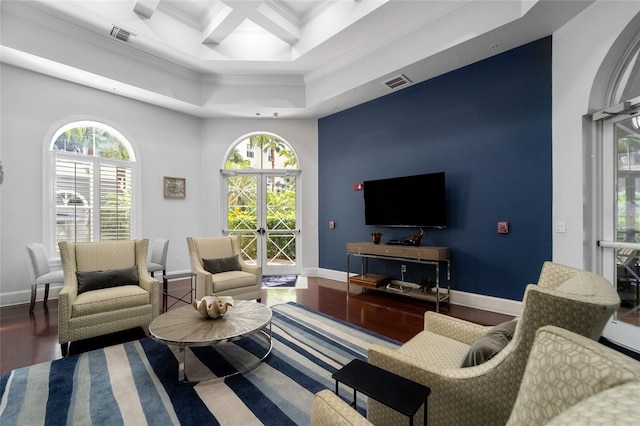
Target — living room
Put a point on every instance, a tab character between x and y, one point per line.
516	152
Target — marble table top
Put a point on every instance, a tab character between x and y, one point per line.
185	327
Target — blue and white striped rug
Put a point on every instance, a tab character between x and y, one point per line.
136	383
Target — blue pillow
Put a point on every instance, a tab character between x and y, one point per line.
96	280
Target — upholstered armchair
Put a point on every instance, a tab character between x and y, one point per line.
329	409
220	269
569	379
589	381
107	288
566	297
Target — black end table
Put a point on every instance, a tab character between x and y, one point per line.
397	392
165	291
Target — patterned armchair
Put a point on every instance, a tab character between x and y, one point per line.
589	381
569	380
100	311
485	394
329	409
220	269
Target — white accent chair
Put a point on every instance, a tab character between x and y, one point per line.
158	259
242	281
41	273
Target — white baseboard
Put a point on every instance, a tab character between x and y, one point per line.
24	296
471	300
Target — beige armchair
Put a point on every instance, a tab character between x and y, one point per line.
99	311
228	274
484	394
569	380
590	381
329	409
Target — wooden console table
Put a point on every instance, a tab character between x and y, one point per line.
428	255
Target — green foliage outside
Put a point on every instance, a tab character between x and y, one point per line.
281	202
115	217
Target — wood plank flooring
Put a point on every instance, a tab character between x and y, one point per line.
30	339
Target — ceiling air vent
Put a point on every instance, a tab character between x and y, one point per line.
397	81
120	34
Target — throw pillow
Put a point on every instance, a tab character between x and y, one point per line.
225	264
95	280
487	346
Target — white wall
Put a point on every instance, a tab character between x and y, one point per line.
579	49
33	106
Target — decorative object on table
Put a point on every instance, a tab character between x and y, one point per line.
416	238
213	306
174	187
376	237
425	285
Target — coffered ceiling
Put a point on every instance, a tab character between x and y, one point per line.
254	58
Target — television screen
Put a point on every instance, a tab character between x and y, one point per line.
411	201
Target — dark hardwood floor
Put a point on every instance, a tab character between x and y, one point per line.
27	339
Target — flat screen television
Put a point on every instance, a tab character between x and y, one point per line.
407	201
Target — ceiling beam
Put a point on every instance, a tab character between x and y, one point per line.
223	23
146	8
271	20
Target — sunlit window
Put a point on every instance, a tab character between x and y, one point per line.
92	184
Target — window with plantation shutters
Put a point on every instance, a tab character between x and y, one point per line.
92	191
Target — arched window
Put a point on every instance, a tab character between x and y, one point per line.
261	151
261	179
617	179
92	175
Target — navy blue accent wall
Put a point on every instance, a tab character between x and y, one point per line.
488	127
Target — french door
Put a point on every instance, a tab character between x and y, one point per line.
619	212
262	207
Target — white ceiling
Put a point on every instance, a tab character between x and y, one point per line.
241	58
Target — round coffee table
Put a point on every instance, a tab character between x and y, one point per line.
185	327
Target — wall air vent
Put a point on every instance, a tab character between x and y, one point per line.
397	81
120	34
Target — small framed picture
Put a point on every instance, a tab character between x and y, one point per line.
174	187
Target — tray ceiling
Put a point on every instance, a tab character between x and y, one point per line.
245	58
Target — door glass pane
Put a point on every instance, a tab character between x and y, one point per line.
242	217
281	220
627	136
242	195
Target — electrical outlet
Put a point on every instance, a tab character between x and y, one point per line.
403	268
177	259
